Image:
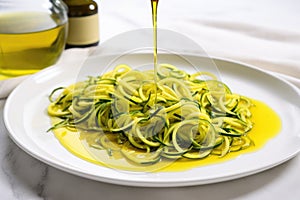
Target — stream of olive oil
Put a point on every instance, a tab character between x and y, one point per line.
154	4
29	42
267	125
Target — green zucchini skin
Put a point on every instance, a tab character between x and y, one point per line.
181	116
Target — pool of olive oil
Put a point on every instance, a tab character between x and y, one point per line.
260	135
29	42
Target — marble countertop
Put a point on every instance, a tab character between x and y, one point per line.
263	33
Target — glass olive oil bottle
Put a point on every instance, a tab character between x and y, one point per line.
83	23
32	36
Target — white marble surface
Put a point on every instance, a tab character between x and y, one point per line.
264	33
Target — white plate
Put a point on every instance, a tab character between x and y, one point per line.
26	120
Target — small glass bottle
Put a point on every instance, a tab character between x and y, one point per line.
83	23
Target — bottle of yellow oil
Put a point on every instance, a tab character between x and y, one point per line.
32	36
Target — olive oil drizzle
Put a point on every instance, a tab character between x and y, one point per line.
154	4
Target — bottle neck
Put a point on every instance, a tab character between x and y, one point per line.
81	8
78	2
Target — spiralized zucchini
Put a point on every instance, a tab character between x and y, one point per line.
181	116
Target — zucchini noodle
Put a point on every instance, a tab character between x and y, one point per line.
181	116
